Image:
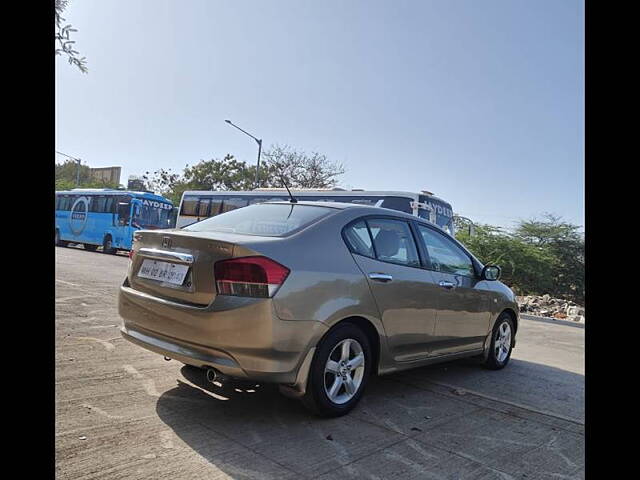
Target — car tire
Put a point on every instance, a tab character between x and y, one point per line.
91	247
60	243
334	389
501	343
106	245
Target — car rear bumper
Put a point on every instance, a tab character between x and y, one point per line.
239	337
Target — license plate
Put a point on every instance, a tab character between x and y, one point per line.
163	271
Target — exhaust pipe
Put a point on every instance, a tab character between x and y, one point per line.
211	375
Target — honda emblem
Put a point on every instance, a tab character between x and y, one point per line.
166	242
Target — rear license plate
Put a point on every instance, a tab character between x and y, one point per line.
163	271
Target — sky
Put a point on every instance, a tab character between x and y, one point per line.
480	102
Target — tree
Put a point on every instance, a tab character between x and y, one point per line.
299	169
62	38
538	257
66	174
565	243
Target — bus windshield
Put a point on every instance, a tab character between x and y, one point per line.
443	211
151	214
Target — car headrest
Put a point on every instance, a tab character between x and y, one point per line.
387	243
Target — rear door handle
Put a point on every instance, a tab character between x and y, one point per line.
380	277
447	285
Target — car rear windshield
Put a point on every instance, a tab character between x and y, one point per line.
270	220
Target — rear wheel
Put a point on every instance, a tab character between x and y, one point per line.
107	245
501	343
60	243
339	372
90	247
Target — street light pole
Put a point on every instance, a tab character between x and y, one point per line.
259	142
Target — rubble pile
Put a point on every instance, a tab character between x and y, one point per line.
546	306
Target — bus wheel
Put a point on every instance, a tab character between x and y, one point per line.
90	247
60	243
106	245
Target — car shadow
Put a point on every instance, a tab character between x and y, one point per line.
255	418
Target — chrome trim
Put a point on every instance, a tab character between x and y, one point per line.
165	255
447	285
381	277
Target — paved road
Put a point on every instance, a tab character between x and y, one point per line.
123	412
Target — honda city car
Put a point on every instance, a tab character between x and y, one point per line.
315	297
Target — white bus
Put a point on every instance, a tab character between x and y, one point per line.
197	205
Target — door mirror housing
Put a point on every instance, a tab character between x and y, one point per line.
491	272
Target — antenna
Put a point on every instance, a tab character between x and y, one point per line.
291	197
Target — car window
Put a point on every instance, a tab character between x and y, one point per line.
358	239
393	241
232	203
267	219
444	255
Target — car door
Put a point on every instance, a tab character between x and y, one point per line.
386	252
464	304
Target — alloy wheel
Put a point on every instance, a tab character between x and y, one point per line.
502	343
344	371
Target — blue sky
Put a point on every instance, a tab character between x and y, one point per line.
480	102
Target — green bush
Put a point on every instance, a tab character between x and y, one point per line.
538	257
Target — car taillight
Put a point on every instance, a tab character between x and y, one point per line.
131	254
249	276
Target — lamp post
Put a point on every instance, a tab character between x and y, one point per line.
78	169
259	142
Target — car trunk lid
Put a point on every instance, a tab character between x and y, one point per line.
177	265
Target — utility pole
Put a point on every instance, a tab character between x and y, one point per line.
78	169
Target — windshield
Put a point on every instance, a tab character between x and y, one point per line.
266	219
443	210
152	214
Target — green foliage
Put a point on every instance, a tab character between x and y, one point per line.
66	174
64	43
540	256
299	170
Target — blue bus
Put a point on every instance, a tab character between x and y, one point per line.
107	217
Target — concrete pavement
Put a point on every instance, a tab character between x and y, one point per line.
123	412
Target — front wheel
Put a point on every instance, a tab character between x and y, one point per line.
501	343
339	372
107	245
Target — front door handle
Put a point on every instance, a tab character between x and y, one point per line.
380	277
447	285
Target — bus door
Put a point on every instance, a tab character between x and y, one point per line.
124	214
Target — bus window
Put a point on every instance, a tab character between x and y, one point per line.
401	204
216	203
203	207
190	206
96	204
231	203
65	203
108	205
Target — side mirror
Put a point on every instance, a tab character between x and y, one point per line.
491	272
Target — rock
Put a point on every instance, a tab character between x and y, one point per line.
559	315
